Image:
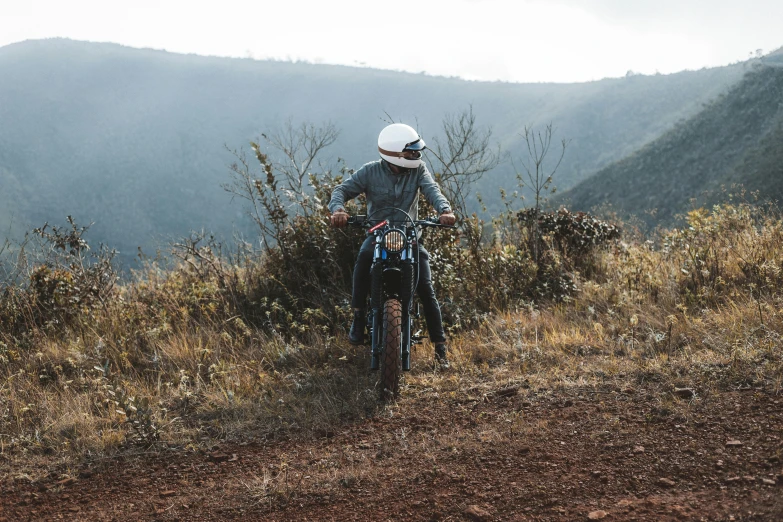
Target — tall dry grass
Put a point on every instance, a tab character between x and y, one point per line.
221	348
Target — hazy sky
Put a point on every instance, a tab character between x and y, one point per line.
522	40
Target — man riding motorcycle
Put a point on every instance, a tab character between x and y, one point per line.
394	181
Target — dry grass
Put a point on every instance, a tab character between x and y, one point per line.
161	365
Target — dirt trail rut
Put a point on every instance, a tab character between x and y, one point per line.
543	455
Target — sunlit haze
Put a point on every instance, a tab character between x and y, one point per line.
524	41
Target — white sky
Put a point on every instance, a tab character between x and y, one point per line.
513	40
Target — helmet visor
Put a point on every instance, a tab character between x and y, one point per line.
413	150
417	145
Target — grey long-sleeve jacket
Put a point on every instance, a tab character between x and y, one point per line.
387	189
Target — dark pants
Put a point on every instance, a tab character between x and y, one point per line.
425	291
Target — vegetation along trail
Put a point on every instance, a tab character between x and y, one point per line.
650	390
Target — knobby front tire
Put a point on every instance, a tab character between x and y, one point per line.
391	358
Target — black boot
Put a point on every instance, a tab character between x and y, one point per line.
440	356
359	325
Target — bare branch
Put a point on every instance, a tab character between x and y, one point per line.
539	177
284	188
465	156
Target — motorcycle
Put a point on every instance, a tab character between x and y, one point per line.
394	277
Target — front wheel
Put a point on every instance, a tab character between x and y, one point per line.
391	362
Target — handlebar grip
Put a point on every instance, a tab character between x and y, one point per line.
434	222
358	221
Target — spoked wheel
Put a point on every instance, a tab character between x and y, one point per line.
391	362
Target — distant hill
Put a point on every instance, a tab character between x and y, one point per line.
737	139
134	139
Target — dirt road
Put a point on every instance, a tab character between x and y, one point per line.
516	454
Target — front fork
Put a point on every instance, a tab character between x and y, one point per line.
406	339
375	316
374	320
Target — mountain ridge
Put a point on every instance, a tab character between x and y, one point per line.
118	46
134	140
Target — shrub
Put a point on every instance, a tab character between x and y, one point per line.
733	248
65	282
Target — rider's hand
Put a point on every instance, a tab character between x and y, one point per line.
339	219
448	219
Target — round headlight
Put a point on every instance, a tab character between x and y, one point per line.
394	241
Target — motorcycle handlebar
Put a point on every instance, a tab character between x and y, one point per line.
361	221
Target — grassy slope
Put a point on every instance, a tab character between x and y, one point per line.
736	139
133	139
175	361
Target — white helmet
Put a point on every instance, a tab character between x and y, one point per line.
401	145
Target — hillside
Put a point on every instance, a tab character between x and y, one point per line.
737	139
134	139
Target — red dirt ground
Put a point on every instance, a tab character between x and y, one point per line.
530	455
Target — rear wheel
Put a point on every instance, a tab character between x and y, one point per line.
391	363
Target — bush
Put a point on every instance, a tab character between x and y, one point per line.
574	235
65	283
733	248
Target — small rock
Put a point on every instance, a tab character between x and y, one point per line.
638	449
477	514
628	390
74	509
733	443
769	482
218	457
509	391
596	474
168	493
597	515
66	482
669	483
685	393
